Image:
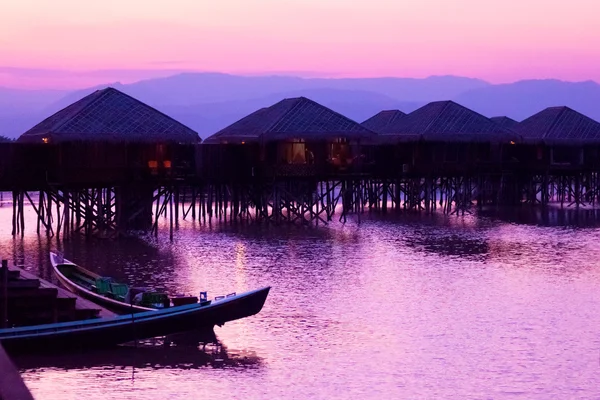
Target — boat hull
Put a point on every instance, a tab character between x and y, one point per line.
105	332
111	305
115	306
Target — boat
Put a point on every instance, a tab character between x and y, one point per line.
111	331
114	296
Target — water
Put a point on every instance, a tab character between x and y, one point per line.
502	305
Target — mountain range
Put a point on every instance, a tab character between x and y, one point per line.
207	102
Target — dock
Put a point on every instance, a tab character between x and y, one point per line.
80	303
31	300
27	299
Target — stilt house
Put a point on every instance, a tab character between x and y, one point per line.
294	137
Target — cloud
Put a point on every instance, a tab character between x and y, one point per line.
169	62
47	78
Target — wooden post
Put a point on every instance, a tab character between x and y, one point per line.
22	212
171	215
384	201
194	195
176	199
78	211
67	216
4	294
14	214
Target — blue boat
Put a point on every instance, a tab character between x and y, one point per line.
103	332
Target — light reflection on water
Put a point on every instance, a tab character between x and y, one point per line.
402	306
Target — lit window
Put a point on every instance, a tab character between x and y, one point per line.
45	140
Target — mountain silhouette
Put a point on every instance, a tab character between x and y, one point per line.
522	99
208	102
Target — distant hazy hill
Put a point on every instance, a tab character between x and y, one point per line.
208	118
522	99
17	100
189	89
201	88
208	102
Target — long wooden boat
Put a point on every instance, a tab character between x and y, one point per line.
114	296
103	332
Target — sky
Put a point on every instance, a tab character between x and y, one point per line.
62	43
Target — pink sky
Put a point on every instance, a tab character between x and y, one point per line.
496	40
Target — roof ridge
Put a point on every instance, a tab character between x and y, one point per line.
333	111
108	112
555	122
437	117
67	118
288	111
147	105
303	100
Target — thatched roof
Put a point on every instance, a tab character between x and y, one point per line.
291	118
505	122
559	124
448	121
110	115
380	121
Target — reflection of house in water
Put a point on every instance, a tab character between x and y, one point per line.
449	245
294	137
546	216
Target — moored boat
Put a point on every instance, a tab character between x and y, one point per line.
102	332
114	296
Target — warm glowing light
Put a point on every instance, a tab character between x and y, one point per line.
243	142
45	140
153	164
167	164
512	142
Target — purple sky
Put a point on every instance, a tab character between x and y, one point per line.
57	43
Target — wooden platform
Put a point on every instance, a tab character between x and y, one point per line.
80	302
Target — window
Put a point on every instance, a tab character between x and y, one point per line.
292	152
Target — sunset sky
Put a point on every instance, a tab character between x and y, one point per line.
496	40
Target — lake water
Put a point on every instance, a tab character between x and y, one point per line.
500	305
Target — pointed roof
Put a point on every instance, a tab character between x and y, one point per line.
291	118
447	120
110	115
379	121
445	117
560	124
505	122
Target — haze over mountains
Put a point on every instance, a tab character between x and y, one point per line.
207	102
